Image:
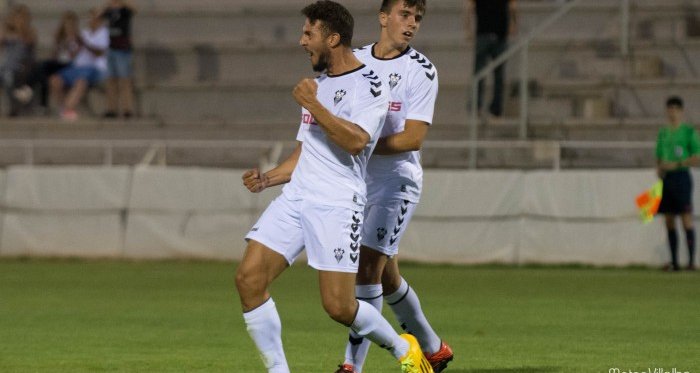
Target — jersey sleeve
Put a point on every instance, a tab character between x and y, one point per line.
371	107
659	147
423	93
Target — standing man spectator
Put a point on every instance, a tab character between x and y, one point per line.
395	178
87	70
677	149
120	95
321	207
496	20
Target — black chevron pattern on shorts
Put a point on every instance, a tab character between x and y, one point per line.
399	221
355	238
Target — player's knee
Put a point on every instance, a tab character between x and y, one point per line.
341	313
247	282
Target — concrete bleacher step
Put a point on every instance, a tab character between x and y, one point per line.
624	129
257	103
554	100
645	97
237	63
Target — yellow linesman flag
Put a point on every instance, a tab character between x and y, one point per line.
649	200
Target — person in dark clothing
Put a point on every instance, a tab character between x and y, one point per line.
119	14
496	20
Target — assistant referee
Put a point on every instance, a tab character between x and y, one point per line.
677	149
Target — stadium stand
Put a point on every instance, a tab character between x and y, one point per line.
224	70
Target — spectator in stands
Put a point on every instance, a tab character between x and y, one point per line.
677	149
67	45
88	69
495	21
18	40
119	85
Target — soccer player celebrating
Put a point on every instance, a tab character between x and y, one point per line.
321	206
394	179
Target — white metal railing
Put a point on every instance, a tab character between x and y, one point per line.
155	152
522	45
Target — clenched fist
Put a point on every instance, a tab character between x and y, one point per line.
255	180
305	92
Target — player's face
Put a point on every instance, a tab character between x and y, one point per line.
402	23
674	113
314	43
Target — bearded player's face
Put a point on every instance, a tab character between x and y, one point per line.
314	42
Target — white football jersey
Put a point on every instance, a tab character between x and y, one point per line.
325	173
413	85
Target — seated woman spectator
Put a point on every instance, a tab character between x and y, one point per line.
66	48
17	40
70	84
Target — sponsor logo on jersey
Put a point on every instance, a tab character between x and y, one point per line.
308	119
394	106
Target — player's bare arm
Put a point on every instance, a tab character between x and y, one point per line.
349	136
410	139
257	181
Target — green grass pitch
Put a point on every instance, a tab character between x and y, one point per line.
116	316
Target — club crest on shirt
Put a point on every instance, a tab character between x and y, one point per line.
339	254
394	80
339	94
381	232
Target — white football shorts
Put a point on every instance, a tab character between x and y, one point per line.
385	224
330	234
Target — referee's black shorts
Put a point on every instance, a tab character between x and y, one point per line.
677	196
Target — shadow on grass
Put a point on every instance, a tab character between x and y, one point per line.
508	370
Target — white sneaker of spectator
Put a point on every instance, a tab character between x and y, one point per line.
23	94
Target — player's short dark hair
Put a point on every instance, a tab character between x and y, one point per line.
335	18
674	101
419	4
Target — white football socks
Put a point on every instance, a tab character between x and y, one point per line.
406	306
357	347
265	328
370	324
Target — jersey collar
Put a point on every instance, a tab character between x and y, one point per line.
408	48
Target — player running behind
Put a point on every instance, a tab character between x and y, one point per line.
394	179
321	206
